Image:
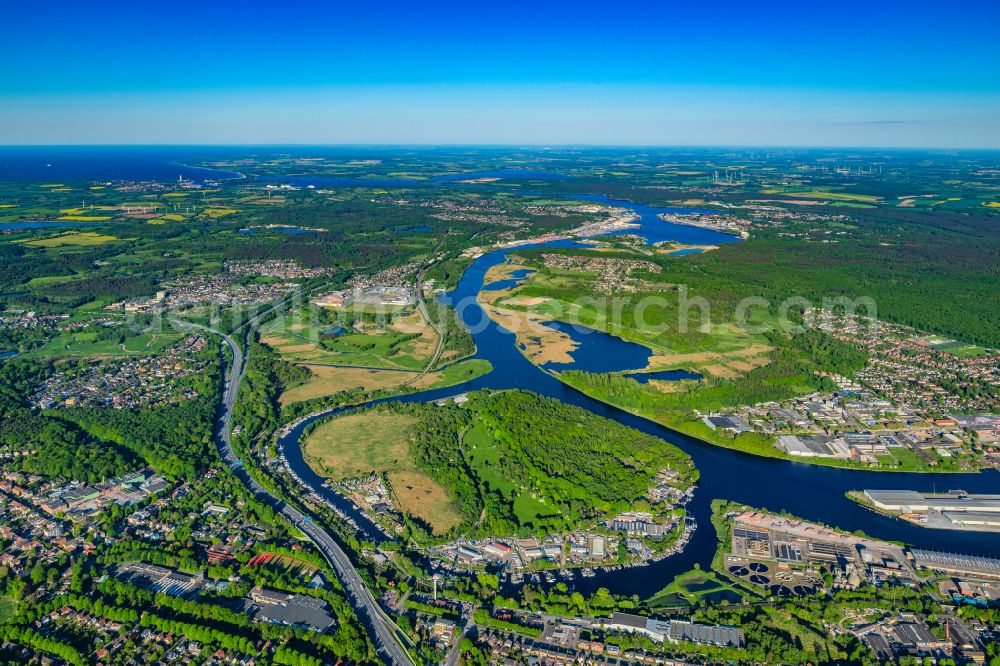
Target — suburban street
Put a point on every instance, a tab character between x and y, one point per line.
364	603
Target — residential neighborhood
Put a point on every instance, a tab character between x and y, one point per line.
128	383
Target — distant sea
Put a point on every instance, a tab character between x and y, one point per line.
165	163
56	163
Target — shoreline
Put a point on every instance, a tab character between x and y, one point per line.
490	308
776	456
670	219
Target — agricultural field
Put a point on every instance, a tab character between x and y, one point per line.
360	444
835	196
78	238
326	380
405	342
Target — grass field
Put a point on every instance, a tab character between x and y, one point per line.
461	372
7	607
82	238
422	497
910	461
484	457
359	444
834	196
693	586
327	380
406	344
86	345
963	350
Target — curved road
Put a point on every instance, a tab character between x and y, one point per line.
422	307
364	603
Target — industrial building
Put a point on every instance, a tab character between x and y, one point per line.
955	509
911	501
677	630
814	446
296	610
161	579
956	563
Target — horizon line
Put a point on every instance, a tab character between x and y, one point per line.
543	146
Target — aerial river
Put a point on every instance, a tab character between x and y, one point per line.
811	492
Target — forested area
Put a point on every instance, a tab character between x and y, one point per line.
47	445
174	439
458	340
267	375
537	464
447	272
59	450
940	272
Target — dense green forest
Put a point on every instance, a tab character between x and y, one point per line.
937	272
175	439
267	375
60	450
536	464
458	340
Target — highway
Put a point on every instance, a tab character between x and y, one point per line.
422	305
377	623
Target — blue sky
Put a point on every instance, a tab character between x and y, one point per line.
754	73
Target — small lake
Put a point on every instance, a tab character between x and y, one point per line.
663	376
598	351
516	278
413	230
